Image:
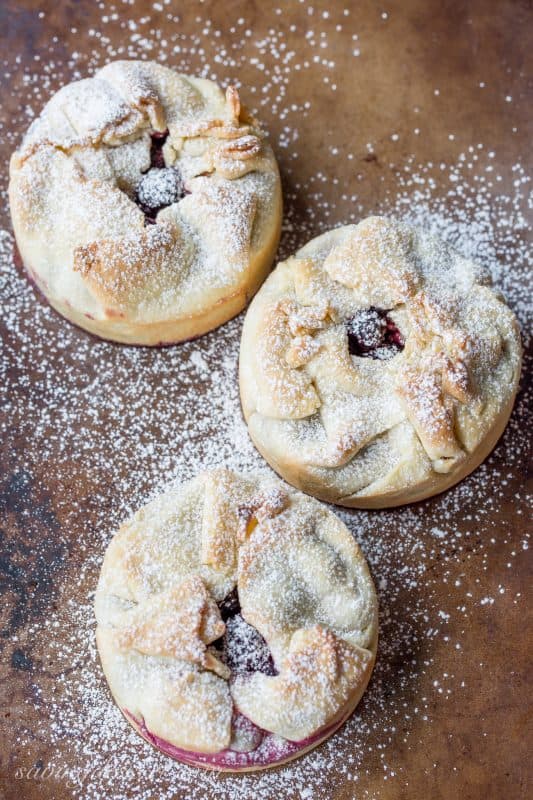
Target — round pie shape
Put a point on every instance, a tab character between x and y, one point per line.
377	366
146	204
296	650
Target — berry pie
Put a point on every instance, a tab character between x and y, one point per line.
237	622
146	204
378	367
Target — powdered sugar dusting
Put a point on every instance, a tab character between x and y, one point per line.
71	197
343	424
111	426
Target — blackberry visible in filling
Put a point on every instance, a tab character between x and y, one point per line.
372	333
160	186
242	647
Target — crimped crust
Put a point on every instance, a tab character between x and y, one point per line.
102	260
424	395
295	656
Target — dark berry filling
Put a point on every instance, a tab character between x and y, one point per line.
160	186
242	647
372	333
157	159
230	606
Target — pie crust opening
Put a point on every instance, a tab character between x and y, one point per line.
373	333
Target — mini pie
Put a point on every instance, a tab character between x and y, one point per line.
377	366
237	622
146	204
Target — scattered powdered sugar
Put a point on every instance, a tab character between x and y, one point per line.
113	425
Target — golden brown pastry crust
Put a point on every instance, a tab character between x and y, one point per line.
82	237
303	585
405	424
